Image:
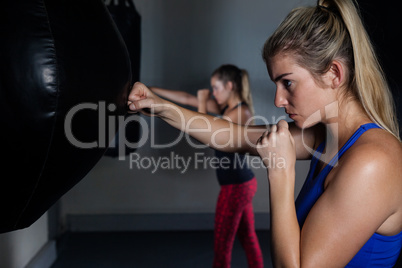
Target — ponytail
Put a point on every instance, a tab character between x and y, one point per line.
371	85
245	90
333	30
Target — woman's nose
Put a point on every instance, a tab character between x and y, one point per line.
280	98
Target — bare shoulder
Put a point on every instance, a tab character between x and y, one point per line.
372	169
376	153
377	146
361	198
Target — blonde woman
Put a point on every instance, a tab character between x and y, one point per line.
327	77
234	209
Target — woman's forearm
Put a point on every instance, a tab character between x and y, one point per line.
215	132
278	152
177	96
285	230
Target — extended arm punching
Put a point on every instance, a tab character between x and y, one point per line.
215	132
186	98
178	96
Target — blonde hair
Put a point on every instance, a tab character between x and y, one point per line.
240	80
246	91
333	30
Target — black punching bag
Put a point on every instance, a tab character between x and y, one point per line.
128	21
65	72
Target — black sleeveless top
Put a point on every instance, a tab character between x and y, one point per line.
233	168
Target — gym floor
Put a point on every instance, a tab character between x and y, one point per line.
147	250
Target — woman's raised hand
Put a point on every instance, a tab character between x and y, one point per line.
277	150
203	94
142	99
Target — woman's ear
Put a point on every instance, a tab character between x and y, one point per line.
336	74
229	85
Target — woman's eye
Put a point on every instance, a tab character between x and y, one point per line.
287	83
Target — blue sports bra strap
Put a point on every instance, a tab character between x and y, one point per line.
351	141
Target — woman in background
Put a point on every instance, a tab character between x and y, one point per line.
238	185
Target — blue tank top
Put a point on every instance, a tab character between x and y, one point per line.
379	250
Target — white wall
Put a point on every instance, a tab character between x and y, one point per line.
17	248
182	43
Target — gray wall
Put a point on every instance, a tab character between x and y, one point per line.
182	43
17	248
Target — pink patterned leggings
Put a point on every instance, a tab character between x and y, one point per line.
234	214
